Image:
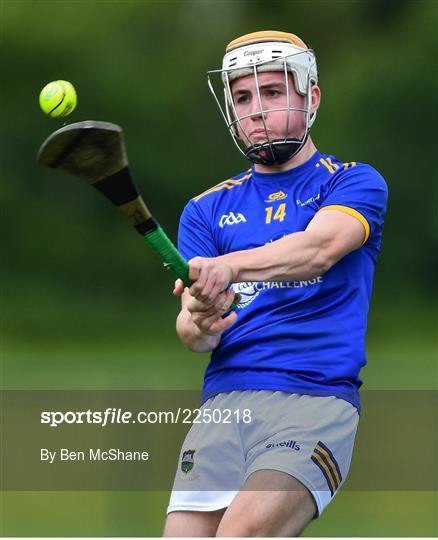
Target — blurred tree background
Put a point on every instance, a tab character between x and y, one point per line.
87	305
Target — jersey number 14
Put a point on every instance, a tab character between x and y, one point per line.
279	215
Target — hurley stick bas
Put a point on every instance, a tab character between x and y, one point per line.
95	151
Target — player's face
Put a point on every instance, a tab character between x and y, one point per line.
280	123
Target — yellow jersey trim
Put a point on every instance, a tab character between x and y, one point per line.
350	164
351	212
226	184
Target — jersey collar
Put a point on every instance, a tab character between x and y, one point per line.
289	175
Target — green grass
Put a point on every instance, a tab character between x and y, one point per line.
100	347
159	361
97	513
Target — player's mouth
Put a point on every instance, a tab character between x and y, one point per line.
260	135
260	131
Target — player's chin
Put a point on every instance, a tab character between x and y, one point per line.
260	139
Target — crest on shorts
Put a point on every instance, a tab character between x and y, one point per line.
187	461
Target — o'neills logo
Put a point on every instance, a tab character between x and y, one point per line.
287	444
252	53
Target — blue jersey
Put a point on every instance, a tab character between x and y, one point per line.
305	337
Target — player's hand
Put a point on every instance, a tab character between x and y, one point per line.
209	318
179	287
210	278
209	300
206	316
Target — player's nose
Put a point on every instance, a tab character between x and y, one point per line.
256	109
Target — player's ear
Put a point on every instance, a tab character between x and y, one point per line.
316	97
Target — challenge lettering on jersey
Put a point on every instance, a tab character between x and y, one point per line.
304	336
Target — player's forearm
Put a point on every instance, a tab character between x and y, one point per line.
191	335
301	255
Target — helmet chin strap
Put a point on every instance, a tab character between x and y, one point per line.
275	152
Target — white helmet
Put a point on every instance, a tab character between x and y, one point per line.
252	54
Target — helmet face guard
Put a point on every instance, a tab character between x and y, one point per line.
254	54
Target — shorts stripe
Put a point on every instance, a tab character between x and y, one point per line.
324	459
325	471
322	446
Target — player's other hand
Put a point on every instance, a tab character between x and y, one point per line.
210	318
208	300
179	287
210	277
206	316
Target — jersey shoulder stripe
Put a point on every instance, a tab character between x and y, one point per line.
333	166
226	184
352	212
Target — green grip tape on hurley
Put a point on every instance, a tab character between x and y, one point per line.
172	258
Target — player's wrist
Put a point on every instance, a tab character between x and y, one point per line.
231	262
193	336
201	340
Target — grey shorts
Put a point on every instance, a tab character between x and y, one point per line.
311	438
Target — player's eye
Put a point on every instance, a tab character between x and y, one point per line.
242	99
270	92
